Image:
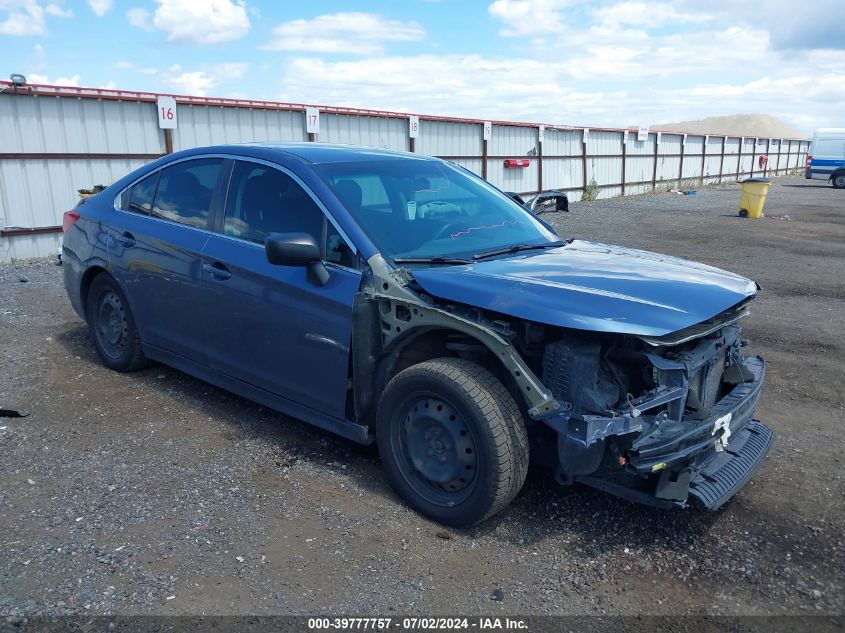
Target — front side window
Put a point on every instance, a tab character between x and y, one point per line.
185	190
414	208
263	200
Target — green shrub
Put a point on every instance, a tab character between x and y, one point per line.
591	191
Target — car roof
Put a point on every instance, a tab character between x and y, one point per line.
314	153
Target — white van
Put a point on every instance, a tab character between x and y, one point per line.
826	159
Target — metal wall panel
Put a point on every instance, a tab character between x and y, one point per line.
473	164
26	202
201	125
382	132
515	141
61	125
640	148
562	142
448	138
562	173
29	203
510	140
667	168
670	143
518	179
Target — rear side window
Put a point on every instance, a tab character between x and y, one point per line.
139	197
185	191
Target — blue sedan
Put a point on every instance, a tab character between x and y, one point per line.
399	298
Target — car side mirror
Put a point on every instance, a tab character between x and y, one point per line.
297	249
515	197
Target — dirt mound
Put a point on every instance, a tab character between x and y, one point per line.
762	125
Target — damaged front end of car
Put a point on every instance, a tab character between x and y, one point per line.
665	420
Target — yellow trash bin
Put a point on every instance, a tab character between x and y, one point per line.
753	198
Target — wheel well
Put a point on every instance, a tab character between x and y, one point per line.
87	279
442	342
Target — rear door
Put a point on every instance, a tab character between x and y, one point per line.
269	325
160	228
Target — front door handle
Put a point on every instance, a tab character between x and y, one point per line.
126	239
217	271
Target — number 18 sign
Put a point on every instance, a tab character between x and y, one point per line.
166	113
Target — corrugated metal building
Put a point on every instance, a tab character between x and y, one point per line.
57	140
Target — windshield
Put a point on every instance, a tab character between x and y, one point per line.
420	209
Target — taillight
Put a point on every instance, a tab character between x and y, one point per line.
809	161
69	218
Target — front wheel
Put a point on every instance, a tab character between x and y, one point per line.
839	181
452	440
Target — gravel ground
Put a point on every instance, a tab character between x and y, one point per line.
154	493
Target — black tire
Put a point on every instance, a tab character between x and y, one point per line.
112	326
838	180
476	459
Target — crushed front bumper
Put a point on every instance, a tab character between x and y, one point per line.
702	461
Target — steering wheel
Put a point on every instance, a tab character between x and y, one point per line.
449	228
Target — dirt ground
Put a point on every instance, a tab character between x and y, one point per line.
155	493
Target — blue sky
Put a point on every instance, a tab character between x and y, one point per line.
579	62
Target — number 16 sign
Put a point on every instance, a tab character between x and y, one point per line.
166	113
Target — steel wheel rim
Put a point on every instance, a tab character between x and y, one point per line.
840	181
436	448
111	325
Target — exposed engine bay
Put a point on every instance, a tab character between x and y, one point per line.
641	419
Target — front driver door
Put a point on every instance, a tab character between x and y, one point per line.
269	325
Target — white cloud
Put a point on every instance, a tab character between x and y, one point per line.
27	17
100	7
200	82
36	78
791	25
353	33
459	85
58	11
200	21
646	14
529	17
604	76
21	17
139	18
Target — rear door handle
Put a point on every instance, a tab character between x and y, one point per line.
217	271
126	239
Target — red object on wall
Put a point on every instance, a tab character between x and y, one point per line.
516	162
763	160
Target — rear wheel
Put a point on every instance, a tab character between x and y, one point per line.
839	180
452	440
112	326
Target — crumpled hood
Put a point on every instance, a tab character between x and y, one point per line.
592	286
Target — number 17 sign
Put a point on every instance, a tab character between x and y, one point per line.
166	113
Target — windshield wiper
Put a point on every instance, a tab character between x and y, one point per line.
515	248
430	260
